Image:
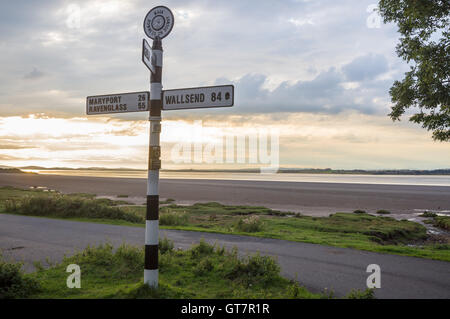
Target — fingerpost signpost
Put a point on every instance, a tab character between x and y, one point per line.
158	23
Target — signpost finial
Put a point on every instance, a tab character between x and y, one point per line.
158	22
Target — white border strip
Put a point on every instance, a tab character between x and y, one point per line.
151	232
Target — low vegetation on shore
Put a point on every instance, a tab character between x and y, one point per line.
357	230
442	222
352	230
53	204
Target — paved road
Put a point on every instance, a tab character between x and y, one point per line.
317	267
307	198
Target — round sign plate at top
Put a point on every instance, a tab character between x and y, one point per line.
158	22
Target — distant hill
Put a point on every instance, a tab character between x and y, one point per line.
81	168
11	170
282	170
367	172
326	171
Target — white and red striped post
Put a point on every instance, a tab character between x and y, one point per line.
154	164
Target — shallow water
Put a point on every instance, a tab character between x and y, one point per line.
424	180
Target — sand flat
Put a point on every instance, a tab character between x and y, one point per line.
309	198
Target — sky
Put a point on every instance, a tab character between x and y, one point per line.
313	75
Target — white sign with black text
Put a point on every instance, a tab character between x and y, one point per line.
118	103
200	97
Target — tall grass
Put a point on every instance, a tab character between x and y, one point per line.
442	222
254	269
165	245
173	218
358	294
249	225
68	207
428	214
13	283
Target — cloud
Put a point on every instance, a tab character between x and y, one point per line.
4	157
301	22
304	65
345	140
366	67
14	147
327	92
35	74
291	53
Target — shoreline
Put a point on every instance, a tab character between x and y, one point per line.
411	180
309	198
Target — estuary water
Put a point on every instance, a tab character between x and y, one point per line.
423	180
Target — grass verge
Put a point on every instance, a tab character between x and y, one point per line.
14	283
204	271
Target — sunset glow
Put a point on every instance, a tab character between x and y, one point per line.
306	140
